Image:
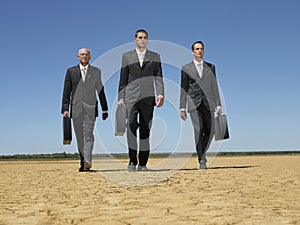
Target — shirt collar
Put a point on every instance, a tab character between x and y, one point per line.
197	63
143	52
82	67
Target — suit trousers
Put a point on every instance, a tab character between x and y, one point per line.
84	131
202	123
139	116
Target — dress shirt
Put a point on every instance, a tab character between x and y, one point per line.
141	56
199	64
81	70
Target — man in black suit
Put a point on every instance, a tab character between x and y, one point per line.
82	82
200	89
141	71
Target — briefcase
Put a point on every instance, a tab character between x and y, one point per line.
120	123
67	130
221	128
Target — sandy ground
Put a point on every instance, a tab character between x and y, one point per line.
234	190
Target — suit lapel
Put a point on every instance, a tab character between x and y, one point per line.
146	58
194	74
88	73
77	74
134	58
205	69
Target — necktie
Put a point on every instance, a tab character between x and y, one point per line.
200	69
141	59
83	74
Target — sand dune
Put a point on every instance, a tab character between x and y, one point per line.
234	190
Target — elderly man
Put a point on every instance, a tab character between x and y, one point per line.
82	85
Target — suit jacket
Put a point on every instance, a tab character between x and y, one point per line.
196	90
136	82
83	95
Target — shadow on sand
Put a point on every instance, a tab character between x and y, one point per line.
163	170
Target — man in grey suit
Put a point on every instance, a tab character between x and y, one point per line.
141	71
199	89
82	85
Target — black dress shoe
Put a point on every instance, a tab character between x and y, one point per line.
142	168
131	167
202	166
81	168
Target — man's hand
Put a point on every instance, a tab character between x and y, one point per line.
66	114
159	101
219	110
104	116
121	102
183	115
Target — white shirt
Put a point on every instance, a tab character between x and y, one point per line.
81	70
197	67
141	56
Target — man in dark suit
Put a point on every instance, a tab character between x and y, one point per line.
141	71
199	89
82	82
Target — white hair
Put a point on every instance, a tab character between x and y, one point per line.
84	48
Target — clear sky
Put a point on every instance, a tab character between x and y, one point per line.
253	43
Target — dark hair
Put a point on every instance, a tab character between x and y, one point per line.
141	30
197	42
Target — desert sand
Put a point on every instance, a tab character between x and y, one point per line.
234	190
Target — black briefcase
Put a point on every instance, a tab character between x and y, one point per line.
221	128
67	130
120	123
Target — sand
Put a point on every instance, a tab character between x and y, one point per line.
234	190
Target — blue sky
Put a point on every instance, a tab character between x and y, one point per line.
254	45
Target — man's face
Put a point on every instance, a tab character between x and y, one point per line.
84	56
198	51
141	40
